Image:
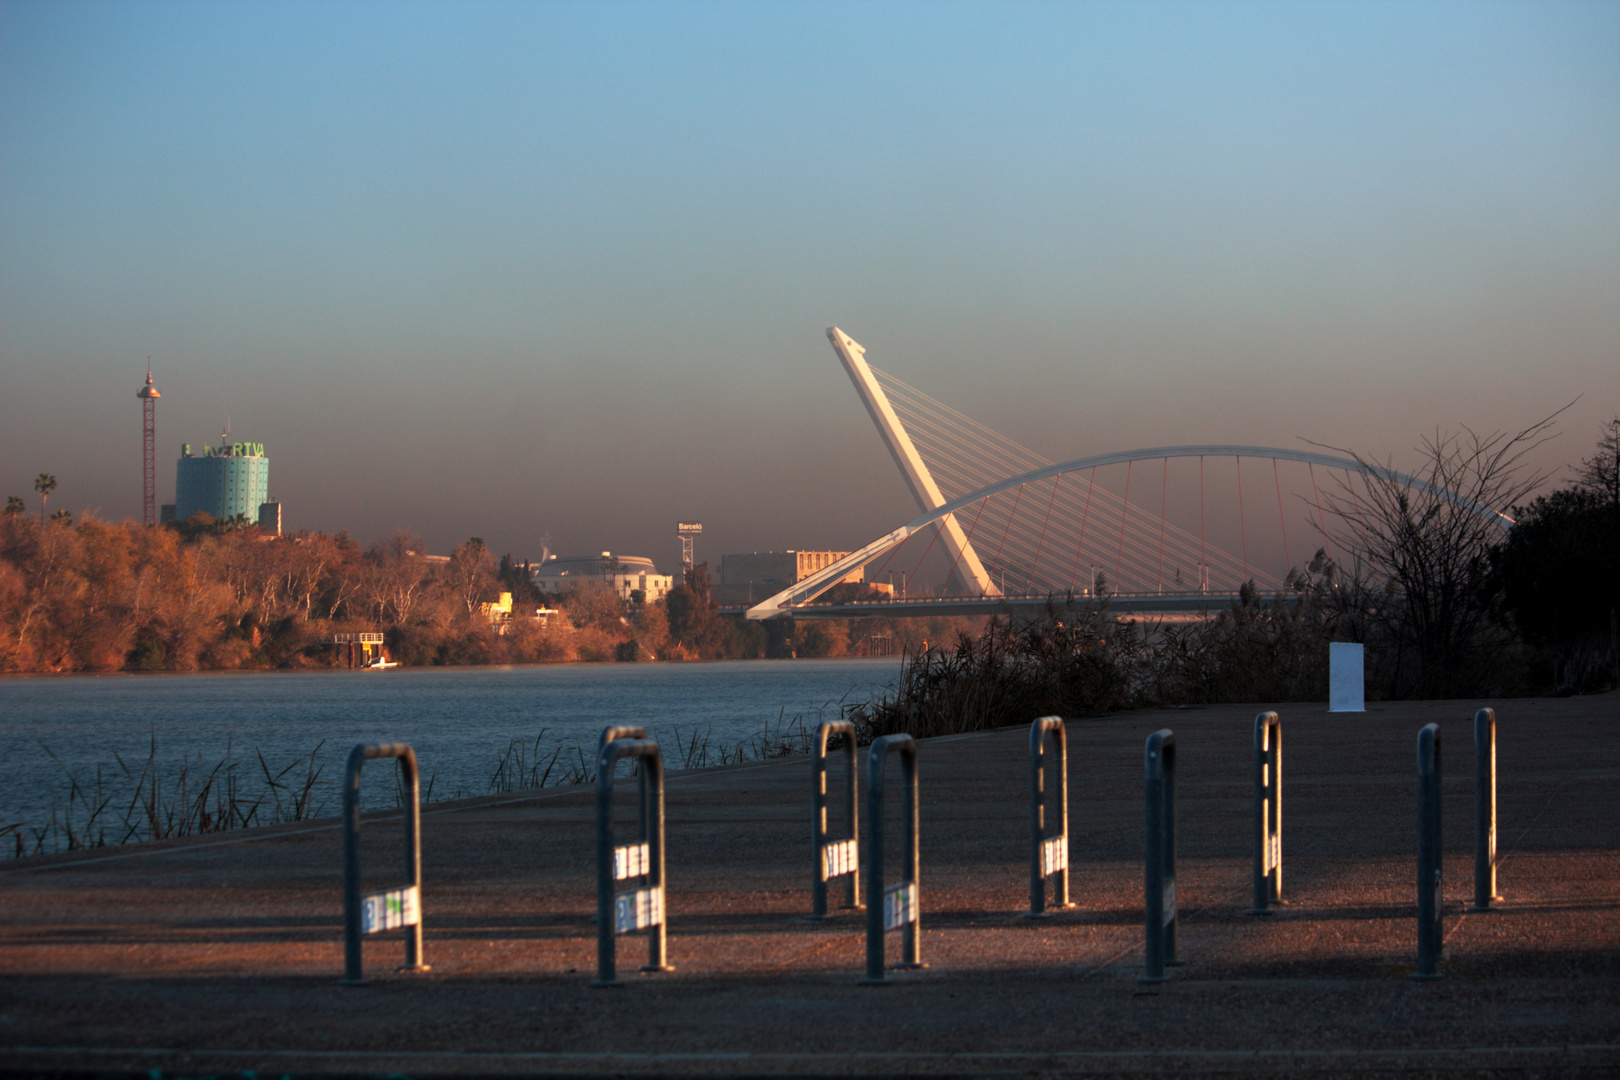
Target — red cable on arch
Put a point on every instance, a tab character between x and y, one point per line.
1124	513
1203	562
1075	573
1164	496
1320	517
1012	514
938	529
1243	526
892	552
1281	517
1355	502
926	550
1034	566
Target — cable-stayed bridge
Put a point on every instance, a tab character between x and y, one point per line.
1002	528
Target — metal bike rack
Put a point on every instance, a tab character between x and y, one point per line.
627	731
1484	810
640	908
897	907
1267	813
1160	888
834	858
391	909
1048	853
1431	896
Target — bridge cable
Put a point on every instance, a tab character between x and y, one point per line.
887	557
1076	572
962	551
964	455
1011	514
1036	562
1243	526
1320	517
926	550
1281	517
944	432
1366	539
1164	497
971	436
1203	567
1124	515
969	538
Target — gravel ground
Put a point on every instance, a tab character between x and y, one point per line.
221	955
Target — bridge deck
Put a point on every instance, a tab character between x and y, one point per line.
1155	603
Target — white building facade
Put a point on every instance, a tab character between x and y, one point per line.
624	574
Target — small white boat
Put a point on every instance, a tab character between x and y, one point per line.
382	663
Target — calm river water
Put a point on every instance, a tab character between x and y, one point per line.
459	720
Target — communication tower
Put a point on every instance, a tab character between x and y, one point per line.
687	530
149	395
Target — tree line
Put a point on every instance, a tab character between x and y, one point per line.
1448	603
208	595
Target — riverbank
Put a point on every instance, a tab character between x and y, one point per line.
210	955
68	746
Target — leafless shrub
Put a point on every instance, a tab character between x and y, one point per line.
1424	550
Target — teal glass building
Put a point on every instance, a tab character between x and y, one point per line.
223	482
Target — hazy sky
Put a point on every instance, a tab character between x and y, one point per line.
565	270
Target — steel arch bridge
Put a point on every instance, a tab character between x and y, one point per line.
942	515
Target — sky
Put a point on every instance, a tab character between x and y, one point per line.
560	273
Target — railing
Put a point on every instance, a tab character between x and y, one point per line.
640	908
899	906
1048	853
1160	885
1430	888
1484	810
391	909
1267	813
833	857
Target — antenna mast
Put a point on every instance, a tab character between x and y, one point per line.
149	395
686	530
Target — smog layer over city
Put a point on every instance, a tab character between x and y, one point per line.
559	276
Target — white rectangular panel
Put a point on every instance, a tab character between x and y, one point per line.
1347	682
899	905
1170	901
390	910
839	858
632	860
1054	855
638	909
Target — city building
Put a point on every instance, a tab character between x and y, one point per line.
222	482
623	573
501	614
746	579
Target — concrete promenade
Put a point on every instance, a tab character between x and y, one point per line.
222	954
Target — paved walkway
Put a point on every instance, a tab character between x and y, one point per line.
223	954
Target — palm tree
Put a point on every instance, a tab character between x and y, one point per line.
44	485
14	506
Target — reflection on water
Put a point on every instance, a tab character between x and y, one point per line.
461	721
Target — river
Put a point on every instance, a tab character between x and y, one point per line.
461	721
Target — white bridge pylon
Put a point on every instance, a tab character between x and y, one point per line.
939	513
912	467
